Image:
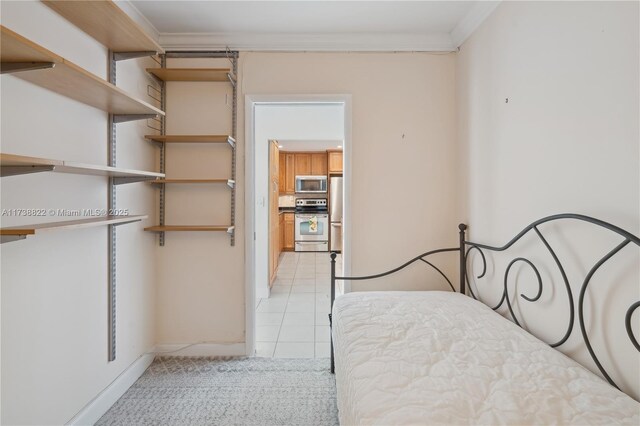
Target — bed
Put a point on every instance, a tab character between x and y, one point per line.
434	357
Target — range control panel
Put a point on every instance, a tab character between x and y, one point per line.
311	202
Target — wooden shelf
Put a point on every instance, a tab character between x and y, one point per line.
21	232
107	23
192	139
191	228
192	74
230	183
20	55
11	165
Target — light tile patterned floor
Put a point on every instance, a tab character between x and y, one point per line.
294	322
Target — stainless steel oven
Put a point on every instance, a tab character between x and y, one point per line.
311	225
311	184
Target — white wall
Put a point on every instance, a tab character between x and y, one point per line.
54	286
294	121
566	141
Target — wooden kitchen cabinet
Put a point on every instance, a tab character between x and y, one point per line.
334	161
287	173
300	163
290	173
303	164
319	163
289	232
282	172
274	219
281	231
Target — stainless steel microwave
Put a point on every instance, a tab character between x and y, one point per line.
311	184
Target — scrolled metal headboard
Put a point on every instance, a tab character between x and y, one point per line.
627	238
466	247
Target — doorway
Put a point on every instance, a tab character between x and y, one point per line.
288	319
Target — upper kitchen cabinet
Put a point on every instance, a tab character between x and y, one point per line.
302	164
289	173
282	172
319	163
334	161
310	163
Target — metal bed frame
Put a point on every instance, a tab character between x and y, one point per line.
465	247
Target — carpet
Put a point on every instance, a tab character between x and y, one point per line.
229	391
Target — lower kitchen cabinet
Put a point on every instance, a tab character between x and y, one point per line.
289	232
281	230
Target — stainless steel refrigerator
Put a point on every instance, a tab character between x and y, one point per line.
335	213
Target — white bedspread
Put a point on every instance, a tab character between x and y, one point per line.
426	358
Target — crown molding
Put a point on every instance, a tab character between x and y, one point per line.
478	13
320	42
139	18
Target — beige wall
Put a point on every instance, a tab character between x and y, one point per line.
566	141
201	277
570	73
403	146
402	187
54	286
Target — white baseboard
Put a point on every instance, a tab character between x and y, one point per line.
95	409
201	349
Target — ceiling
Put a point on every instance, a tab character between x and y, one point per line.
314	25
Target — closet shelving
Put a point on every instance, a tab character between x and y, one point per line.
11	165
193	74
230	183
32	62
21	232
111	26
108	24
164	75
192	139
214	228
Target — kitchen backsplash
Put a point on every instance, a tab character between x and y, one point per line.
287	201
290	200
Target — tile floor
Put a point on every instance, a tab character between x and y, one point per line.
293	322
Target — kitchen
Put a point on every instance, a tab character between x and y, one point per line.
306	200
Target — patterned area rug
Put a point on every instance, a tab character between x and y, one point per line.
229	391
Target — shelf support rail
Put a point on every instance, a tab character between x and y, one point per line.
113	119
163	147
234	124
114	57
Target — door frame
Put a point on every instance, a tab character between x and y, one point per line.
250	199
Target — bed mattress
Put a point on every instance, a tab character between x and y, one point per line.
427	358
